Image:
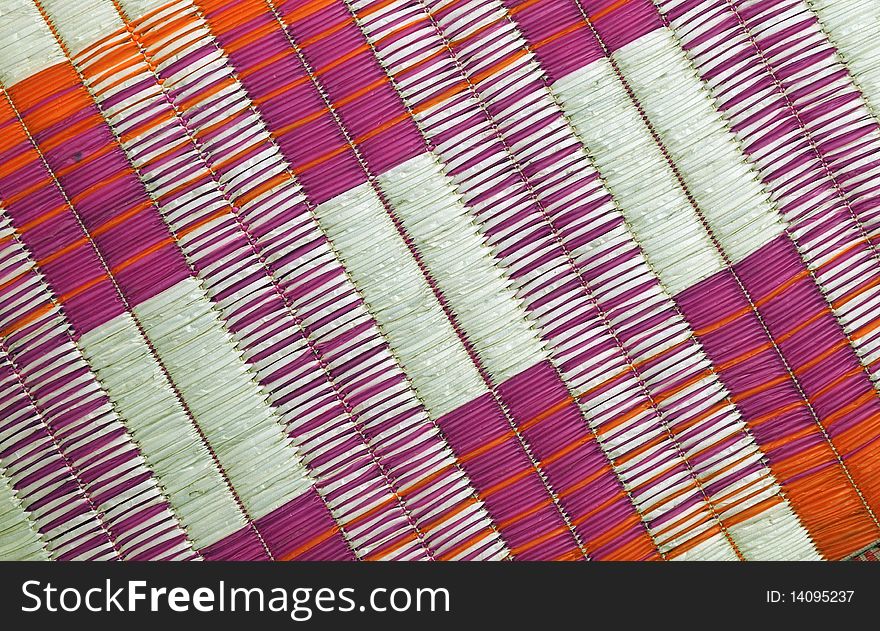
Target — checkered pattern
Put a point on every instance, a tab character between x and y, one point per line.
439	279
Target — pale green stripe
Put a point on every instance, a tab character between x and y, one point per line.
18	539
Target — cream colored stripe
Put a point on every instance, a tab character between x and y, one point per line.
18	539
853	26
231	409
200	357
82	22
636	172
454	253
725	188
662	218
419	333
169	442
24	48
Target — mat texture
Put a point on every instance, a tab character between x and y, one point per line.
439	279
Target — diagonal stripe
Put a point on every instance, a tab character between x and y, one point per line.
853	27
197	340
77	419
136	332
622	402
332	446
18	539
742	288
398	233
659	247
414	88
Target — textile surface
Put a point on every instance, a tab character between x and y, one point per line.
439	279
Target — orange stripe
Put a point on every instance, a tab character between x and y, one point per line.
511	479
526	513
451	554
856	292
91	54
693	542
379	554
616	532
820	357
166	29
73	293
474	453
789	438
265	63
121	218
100	185
525	547
620	3
264	187
26	319
142	254
580	442
378	6
601	13
760	420
449	514
836	382
40	311
558	407
443	96
745	394
849	407
17	277
251	37
616	421
542	504
677	428
719	502
522	7
46	216
122	55
757	509
425	481
311	543
326	33
54	256
572	555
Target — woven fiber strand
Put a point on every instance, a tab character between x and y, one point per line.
439	279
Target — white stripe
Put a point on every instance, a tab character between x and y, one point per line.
461	264
245	433
775	535
853	26
709	550
231	409
137	8
82	22
402	301
201	359
218	275
18	539
725	188
26	43
662	219
169	442
637	174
